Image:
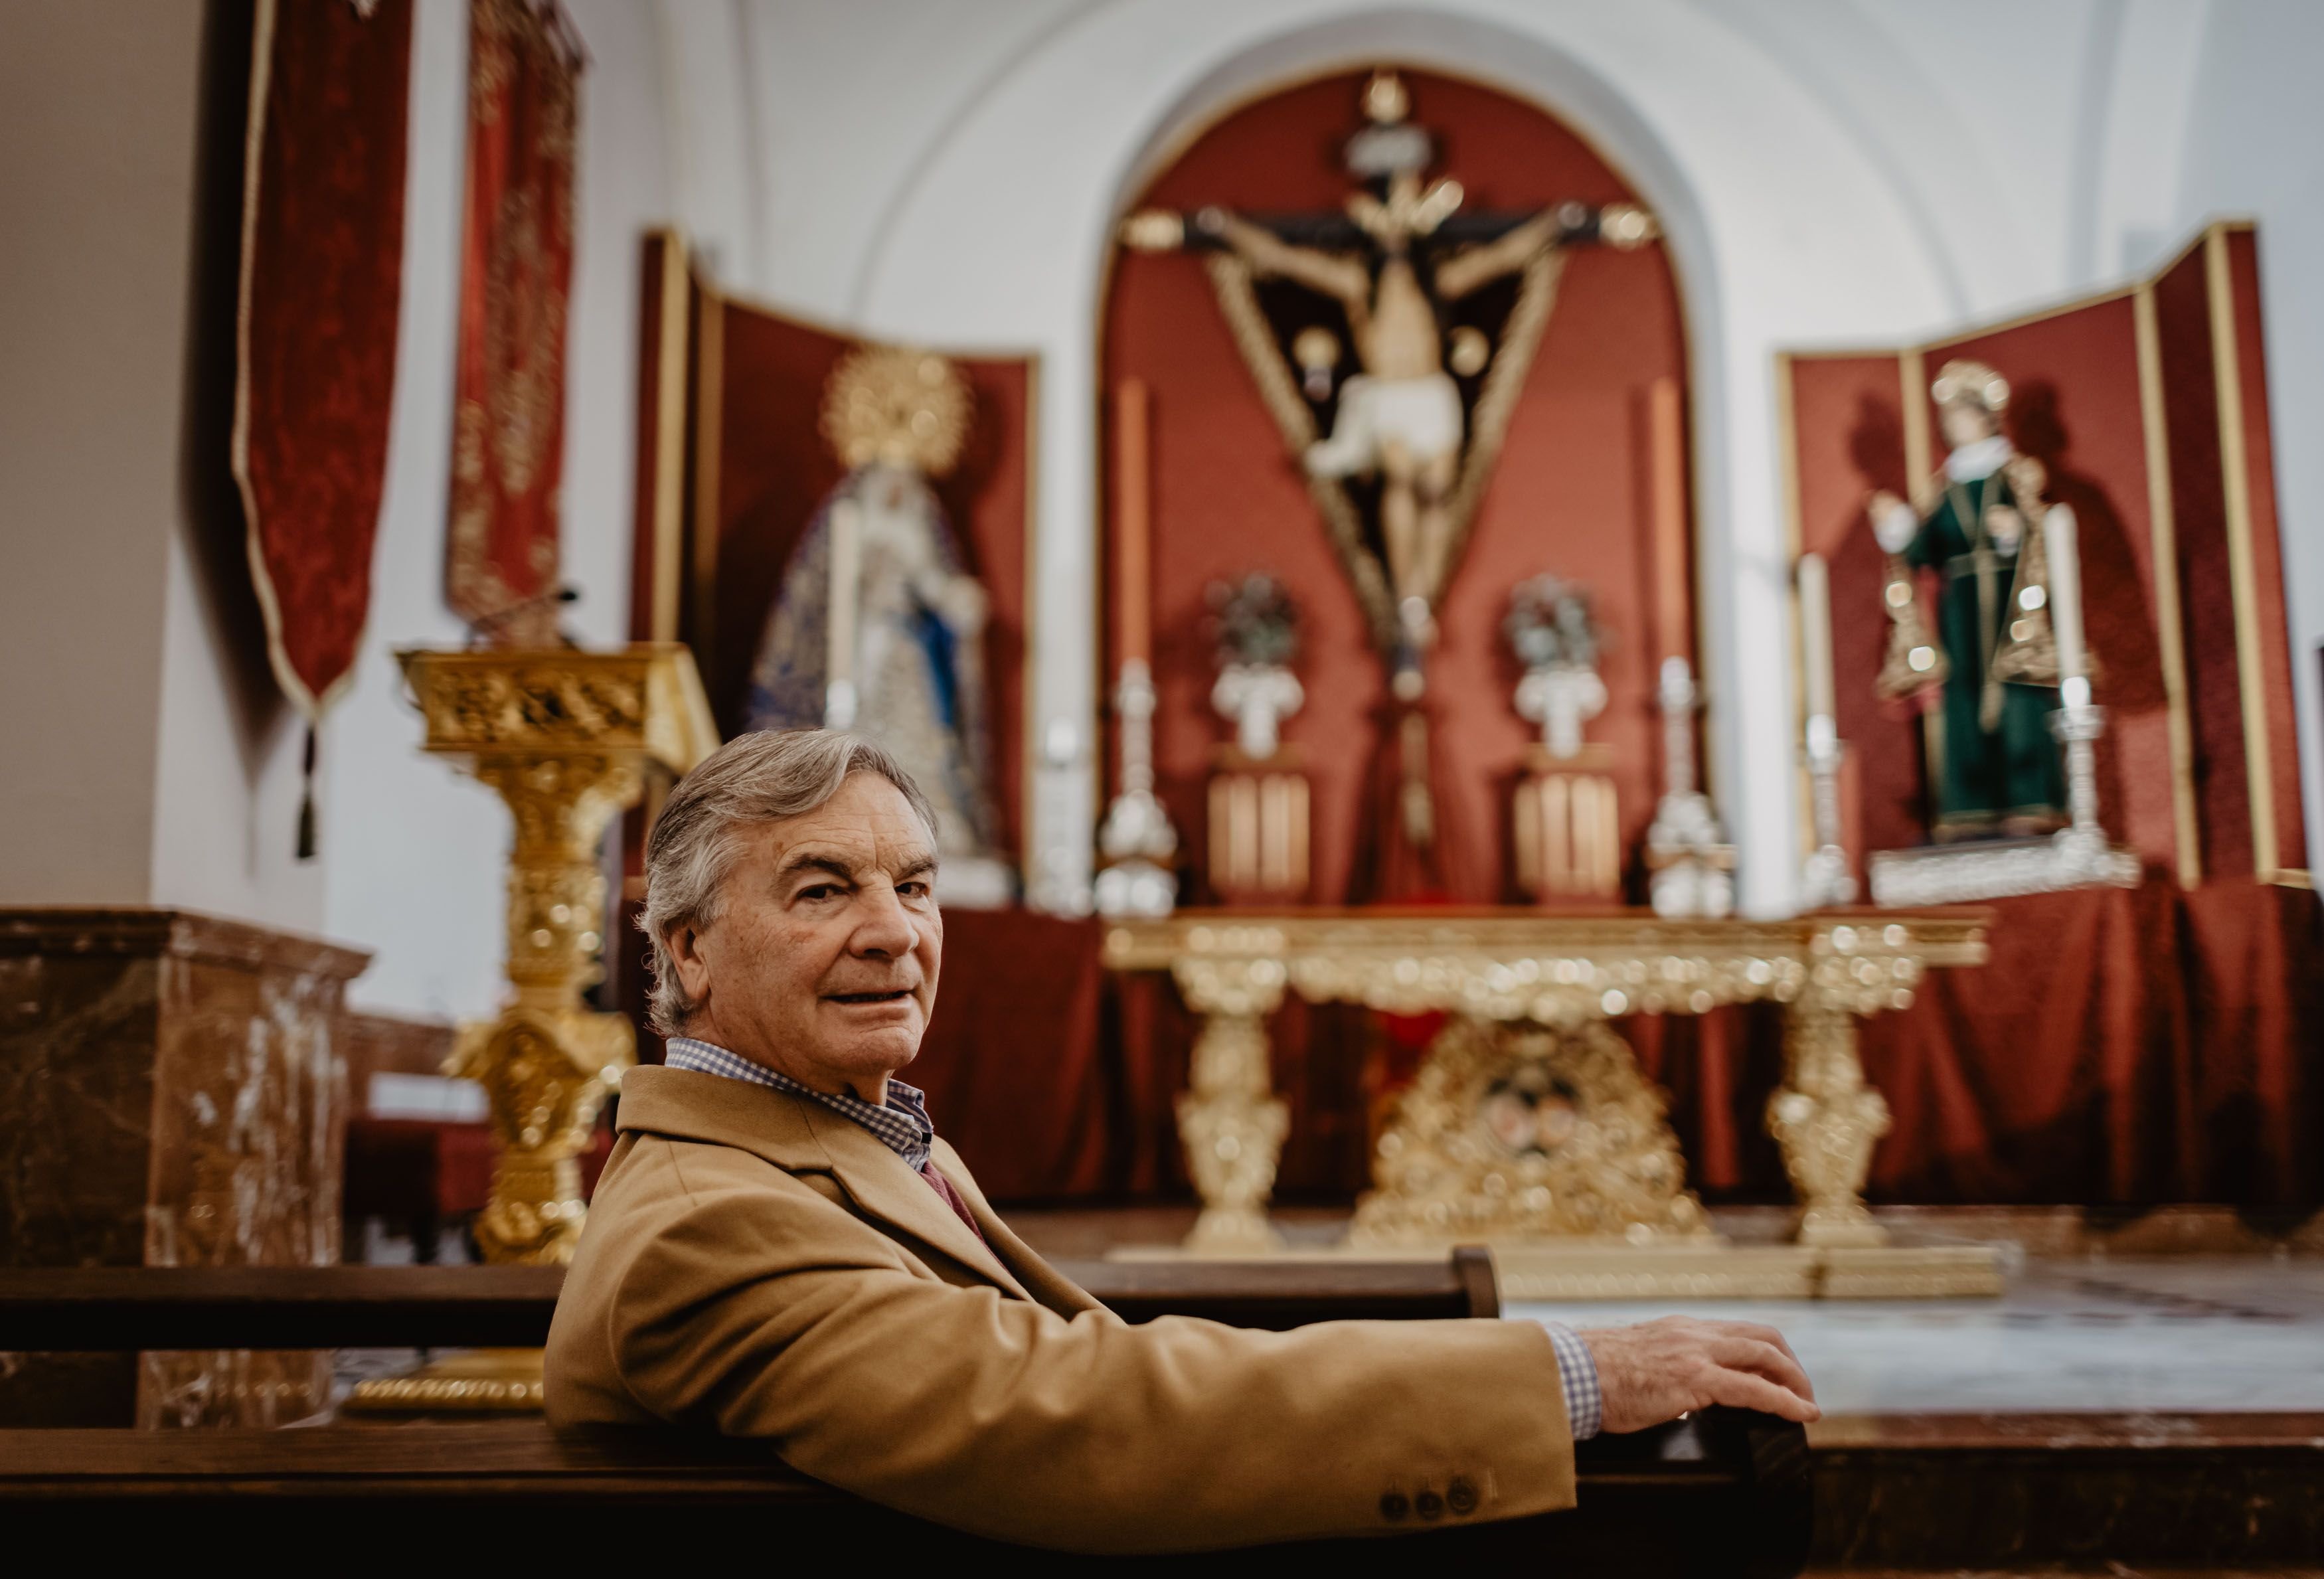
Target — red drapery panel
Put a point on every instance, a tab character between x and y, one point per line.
1848	425
1570	496
322	263
516	268
2237	253
2218	278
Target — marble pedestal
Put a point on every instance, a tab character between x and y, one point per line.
172	1093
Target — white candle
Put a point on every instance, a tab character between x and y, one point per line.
1815	633
2066	603
839	619
1133	520
1667	434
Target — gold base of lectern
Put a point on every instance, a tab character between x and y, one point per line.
479	1381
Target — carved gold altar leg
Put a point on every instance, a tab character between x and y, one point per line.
1230	1122
1826	1121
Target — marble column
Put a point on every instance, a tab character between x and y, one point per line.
172	1093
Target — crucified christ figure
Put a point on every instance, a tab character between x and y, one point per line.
1400	418
1393	262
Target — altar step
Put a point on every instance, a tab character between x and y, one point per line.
2097	1493
1707	1269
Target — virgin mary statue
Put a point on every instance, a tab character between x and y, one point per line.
878	627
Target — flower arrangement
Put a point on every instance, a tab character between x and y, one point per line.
1551	625
1254	621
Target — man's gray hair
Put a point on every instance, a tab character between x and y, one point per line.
758	778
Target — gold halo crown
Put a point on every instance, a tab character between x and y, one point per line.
1964	383
892	403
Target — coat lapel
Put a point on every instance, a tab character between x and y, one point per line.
799	1136
885	1186
1058	1292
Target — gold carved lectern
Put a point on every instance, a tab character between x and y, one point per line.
567	738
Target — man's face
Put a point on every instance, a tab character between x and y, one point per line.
822	964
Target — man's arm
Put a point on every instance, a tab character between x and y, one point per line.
999	1417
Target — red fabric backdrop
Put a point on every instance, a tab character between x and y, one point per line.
322	265
2183	307
773	468
516	269
1571	495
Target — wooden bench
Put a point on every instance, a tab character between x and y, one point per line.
107	1308
1724	1492
1720	1493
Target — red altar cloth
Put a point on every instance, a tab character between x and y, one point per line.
1012	1063
2124	1046
2129	1047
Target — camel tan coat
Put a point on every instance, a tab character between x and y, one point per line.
759	1266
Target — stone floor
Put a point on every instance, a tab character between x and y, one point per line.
2177	1334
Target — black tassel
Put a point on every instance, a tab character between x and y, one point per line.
307	802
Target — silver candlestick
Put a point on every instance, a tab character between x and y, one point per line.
2083	855
1686	849
1137	838
1825	880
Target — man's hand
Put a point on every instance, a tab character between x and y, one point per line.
1660	1369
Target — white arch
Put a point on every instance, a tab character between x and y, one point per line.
1784	229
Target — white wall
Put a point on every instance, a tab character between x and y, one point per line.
97	181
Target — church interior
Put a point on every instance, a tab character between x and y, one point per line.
1576	661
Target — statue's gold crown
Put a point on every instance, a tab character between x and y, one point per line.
1962	381
892	403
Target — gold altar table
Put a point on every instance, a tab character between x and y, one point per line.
1571	974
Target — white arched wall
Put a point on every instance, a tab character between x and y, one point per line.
998	233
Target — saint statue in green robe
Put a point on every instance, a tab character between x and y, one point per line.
1995	767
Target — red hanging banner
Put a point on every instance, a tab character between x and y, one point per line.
525	70
322	264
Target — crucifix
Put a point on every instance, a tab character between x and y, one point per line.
1438	358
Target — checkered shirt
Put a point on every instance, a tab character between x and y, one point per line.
903	1125
1577	1377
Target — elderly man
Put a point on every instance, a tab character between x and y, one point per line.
781	1248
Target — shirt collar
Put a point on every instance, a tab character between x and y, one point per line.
901	1124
